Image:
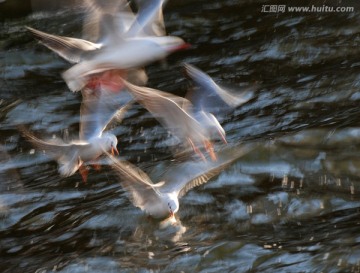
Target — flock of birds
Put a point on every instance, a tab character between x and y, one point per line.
108	70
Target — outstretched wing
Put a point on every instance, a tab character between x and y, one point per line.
206	95
57	149
171	111
98	108
71	49
149	20
106	18
119	115
54	150
188	175
142	192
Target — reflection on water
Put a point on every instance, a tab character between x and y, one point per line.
288	206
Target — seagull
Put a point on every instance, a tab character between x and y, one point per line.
161	200
210	101
193	119
96	115
127	43
175	114
71	156
128	54
101	97
190	118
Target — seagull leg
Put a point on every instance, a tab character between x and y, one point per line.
93	83
96	166
84	173
209	147
196	149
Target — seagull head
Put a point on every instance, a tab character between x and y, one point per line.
173	204
172	43
110	143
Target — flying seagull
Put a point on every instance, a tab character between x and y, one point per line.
211	101
161	200
176	115
125	45
93	140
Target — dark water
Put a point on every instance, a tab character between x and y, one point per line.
291	205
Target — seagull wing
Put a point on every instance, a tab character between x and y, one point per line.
143	194
104	18
173	112
71	49
119	115
188	175
98	108
207	95
149	20
58	150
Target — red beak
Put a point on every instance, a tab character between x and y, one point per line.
114	150
181	47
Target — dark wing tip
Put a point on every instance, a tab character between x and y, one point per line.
37	33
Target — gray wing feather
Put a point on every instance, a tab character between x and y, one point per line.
172	111
119	115
191	174
149	20
207	95
60	151
71	49
97	109
142	192
96	27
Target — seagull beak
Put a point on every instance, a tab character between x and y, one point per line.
114	150
171	217
181	47
167	222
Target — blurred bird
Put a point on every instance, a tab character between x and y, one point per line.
106	25
93	141
148	21
129	54
161	200
191	119
210	101
126	43
176	115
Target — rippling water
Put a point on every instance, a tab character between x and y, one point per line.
291	205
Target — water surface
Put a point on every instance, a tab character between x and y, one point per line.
291	205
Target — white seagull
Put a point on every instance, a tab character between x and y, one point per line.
161	200
122	47
210	101
96	115
193	119
176	115
128	54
